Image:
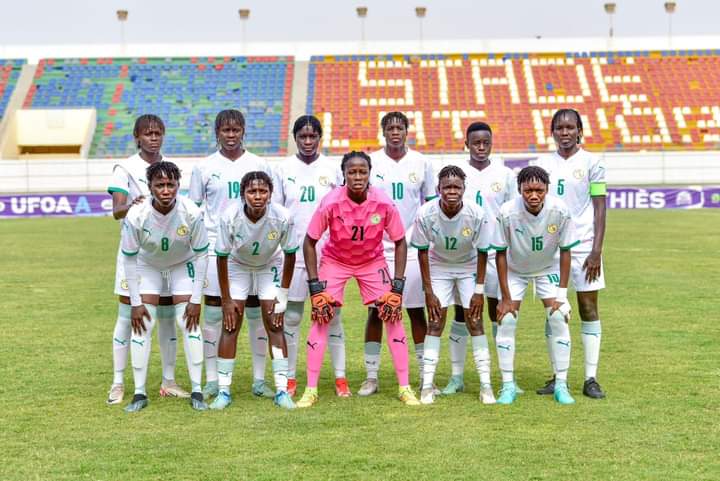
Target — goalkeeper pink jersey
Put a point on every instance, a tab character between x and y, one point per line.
356	230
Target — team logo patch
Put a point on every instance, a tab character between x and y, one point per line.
467	232
273	234
124	285
375	219
552	228
206	284
182	231
323	180
496	187
579	174
413	177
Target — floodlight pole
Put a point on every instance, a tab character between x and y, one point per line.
420	13
362	14
610	10
670	9
122	16
244	14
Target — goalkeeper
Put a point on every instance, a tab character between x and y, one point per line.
357	216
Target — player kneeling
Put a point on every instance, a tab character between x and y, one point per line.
251	235
165	237
453	238
532	229
357	216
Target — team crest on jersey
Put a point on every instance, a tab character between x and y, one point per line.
579	174
124	285
413	177
323	180
182	231
375	219
552	228
273	234
496	187
467	232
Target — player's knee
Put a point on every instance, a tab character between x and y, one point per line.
588	310
293	314
509	321
556	319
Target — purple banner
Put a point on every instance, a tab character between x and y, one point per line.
51	205
663	197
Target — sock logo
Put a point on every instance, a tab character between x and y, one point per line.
206	341
564	343
371	363
312	345
120	341
291	179
223	373
504	346
197	338
399	341
289	334
336	336
173	339
455	339
262	338
139	342
595	334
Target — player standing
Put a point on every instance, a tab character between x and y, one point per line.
129	187
301	182
533	228
215	184
579	177
489	184
453	237
165	238
250	237
357	216
406	176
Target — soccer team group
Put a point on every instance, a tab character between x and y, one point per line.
253	241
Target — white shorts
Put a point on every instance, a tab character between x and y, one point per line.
262	281
413	296
121	285
453	288
298	287
492	287
545	285
577	274
178	279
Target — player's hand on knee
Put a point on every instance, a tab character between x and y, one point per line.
433	307
137	316
192	316
504	307
323	304
230	314
476	308
561	306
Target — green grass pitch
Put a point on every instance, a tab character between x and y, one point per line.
660	366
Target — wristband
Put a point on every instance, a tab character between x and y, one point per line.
479	288
561	295
316	286
398	285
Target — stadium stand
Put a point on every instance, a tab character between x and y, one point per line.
9	73
186	92
630	101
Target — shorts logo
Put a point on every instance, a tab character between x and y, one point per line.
323	180
467	232
272	235
375	219
579	174
182	231
413	177
206	284
496	187
552	228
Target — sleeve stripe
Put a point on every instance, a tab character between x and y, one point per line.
129	253
221	254
569	246
598	189
291	251
431	197
112	190
202	249
419	247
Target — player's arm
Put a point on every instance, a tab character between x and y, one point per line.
281	298
223	247
310	255
119	191
431	301
477	300
196	193
561	302
593	261
505	304
400	258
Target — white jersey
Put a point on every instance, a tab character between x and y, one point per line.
215	184
129	178
453	242
163	241
255	244
532	241
409	182
300	187
576	180
489	188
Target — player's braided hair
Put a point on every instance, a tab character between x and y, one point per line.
145	121
227	117
305	121
477	126
451	171
355	153
532	173
562	112
390	116
255	175
162	169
